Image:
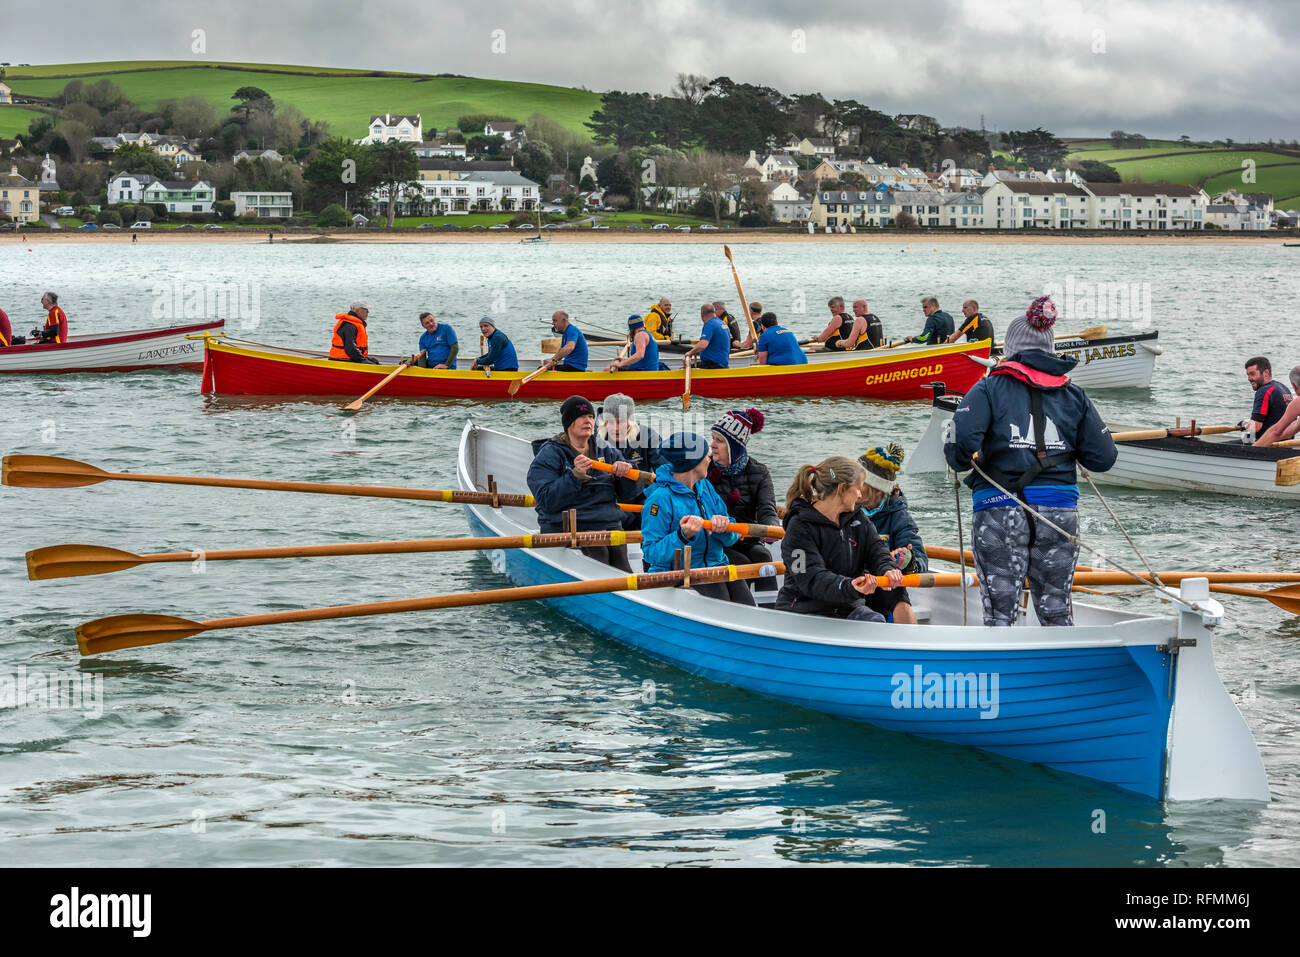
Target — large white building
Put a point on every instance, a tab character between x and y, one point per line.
1142	206
485	191
401	127
1028	204
263	205
179	196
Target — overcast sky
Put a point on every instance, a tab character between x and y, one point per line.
1210	69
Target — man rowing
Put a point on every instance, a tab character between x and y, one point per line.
938	324
55	331
500	355
728	320
659	319
714	344
1288	426
1271	398
350	342
975	326
644	355
438	343
845	332
572	354
777	346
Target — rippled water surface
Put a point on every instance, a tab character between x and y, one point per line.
508	734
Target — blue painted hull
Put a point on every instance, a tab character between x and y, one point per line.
1101	712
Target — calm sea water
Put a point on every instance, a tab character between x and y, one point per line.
508	734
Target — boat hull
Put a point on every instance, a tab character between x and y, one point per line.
166	348
236	368
1116	362
1094	700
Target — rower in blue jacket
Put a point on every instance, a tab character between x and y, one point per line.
500	355
682	508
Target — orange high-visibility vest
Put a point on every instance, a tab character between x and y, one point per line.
336	344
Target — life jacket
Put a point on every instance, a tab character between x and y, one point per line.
658	323
1035	378
53	321
336	344
847	321
973	326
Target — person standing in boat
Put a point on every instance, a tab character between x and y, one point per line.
832	551
6	331
744	484
938	324
844	332
659	320
976	326
886	506
561	479
572	354
438	343
644	354
1271	398
714	344
682	508
500	355
728	320
1289	425
1029	425
616	424
350	342
777	346
55	331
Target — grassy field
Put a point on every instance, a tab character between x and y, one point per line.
14	120
1110	156
1282	181
1191	168
346	99
1091	146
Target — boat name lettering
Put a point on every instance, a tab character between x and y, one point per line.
1086	354
183	349
898	374
932	689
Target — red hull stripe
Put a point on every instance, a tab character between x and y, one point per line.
240	370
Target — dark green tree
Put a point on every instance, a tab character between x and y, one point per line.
251	98
341	170
535	161
397	172
623	119
1095	171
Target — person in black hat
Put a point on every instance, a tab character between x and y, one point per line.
745	484
561	478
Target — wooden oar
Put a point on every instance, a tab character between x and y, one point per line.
744	303
1287	597
686	396
1176	433
74	561
1088	335
552	344
45	471
520	383
137	630
406	363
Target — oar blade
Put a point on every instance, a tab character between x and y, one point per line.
1287	598
47	471
515	386
74	561
133	631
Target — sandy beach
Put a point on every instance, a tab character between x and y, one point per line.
889	238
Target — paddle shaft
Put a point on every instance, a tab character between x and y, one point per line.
406	363
686	395
1176	433
744	303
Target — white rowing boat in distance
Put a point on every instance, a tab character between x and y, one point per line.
159	348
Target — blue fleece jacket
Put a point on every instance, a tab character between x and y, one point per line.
667	502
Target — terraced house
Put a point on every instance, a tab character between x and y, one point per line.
1027	204
20	198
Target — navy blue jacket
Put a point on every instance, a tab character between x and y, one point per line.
500	354
995	420
557	488
938	327
823	557
897	529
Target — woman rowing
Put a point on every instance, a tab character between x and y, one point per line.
886	506
644	350
1029	425
639	445
832	551
681	509
745	484
561	479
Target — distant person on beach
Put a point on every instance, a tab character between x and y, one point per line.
1288	426
714	344
6	330
976	325
438	343
135	238
644	352
270	237
572	354
777	346
500	355
56	322
938	324
1271	398
659	319
350	343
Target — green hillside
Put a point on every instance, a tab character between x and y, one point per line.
15	120
1214	169
346	99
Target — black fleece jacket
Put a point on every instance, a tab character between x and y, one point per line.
823	557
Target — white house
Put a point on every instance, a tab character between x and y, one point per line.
484	191
6	95
787	202
1026	204
249	155
180	196
433	148
20	198
778	166
510	132
128	188
963	210
811	146
401	127
263	205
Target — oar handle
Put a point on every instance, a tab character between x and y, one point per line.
926	580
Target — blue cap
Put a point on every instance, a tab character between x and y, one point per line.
684	450
634	322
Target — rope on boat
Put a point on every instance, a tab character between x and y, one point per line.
1123	530
1160	591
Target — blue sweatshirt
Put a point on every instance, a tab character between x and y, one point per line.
500	355
667	502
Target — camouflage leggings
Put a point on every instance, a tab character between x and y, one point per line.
1004	558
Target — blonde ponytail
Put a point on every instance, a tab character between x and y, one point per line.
814	483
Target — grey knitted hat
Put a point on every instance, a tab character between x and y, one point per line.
1021	336
619	406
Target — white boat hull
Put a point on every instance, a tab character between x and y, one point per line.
164	348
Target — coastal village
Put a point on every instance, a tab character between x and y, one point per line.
135	178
